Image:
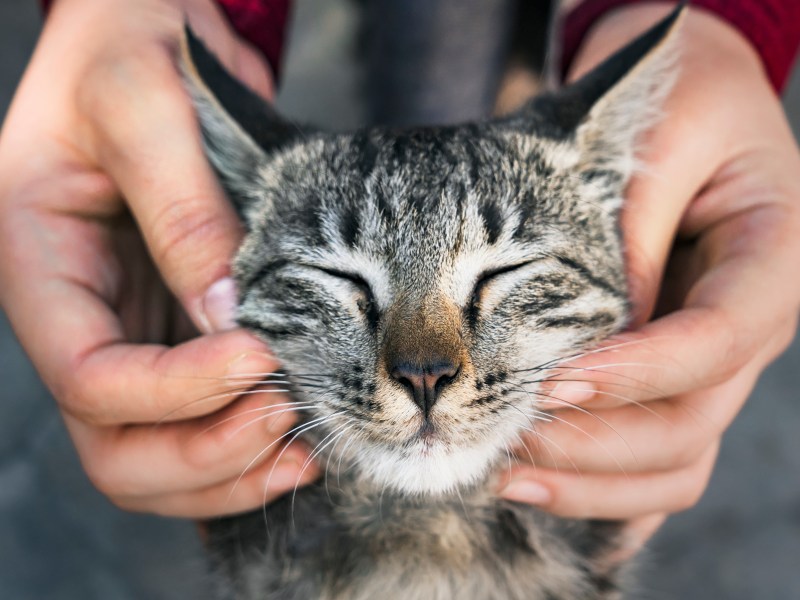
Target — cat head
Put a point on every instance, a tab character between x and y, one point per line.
417	284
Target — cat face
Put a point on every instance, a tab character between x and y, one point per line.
418	285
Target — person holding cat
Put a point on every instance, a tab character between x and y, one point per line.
109	212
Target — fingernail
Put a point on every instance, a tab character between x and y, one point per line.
526	492
572	392
219	306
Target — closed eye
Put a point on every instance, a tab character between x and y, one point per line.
366	303
485	278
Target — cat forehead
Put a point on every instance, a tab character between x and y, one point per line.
416	182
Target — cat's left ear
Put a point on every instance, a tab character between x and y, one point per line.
607	110
240	129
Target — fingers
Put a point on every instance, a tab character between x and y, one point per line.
675	171
149	383
635	536
60	284
253	70
662	435
139	466
261	485
607	496
149	143
631	461
189	454
726	323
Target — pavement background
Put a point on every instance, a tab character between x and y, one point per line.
742	542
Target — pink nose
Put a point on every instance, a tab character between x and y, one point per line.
425	383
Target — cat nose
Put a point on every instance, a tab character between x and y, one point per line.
425	383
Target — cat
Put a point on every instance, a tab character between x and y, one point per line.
418	285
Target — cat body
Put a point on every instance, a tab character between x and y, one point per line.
418	286
351	537
351	541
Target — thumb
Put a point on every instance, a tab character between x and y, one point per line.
149	143
655	202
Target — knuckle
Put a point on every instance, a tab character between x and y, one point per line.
693	488
786	336
180	227
103	475
693	495
208	447
117	89
685	500
735	344
689	452
125	503
107	79
75	397
223	445
72	398
204	452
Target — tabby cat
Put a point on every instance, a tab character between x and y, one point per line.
418	284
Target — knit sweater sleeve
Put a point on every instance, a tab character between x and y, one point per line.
771	26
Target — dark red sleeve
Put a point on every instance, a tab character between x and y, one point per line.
261	22
772	26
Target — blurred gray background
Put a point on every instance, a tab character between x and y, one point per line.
742	542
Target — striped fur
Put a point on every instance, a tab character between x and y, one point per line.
493	247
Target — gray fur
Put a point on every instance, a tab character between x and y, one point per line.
493	246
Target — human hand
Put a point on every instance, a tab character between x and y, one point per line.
100	131
721	172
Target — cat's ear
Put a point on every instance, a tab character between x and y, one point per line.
607	109
240	129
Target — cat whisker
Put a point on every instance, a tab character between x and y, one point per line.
297	405
549	441
554	399
641	384
578	355
528	450
508	454
305	428
540	436
269	416
318	449
463	505
342	454
297	430
228	377
281	374
559	377
327	469
601	445
532	429
245	391
627	400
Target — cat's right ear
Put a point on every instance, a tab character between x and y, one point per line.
605	112
240	129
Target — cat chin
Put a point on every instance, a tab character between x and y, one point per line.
429	470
